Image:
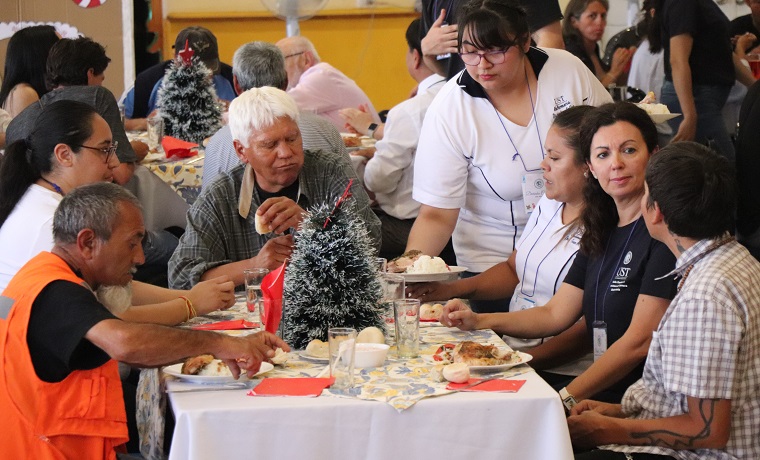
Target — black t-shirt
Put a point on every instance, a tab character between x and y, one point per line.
741	26
61	315
711	58
540	13
748	163
574	46
612	282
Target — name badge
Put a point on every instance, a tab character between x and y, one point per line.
523	303
600	338
533	189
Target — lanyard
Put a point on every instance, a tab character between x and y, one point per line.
614	271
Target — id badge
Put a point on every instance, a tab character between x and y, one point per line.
600	338
523	303
441	57
533	189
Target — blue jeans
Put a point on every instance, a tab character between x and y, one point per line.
709	101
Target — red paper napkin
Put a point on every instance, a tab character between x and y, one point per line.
227	325
506	386
178	148
271	289
306	386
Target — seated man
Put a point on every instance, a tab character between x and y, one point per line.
699	391
75	71
318	87
258	64
60	393
277	182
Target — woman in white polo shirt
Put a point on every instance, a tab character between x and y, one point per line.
483	137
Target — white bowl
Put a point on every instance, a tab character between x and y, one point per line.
370	355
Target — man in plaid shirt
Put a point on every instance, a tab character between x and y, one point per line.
699	395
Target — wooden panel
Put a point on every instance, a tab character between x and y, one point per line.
367	45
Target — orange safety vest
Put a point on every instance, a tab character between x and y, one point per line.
81	417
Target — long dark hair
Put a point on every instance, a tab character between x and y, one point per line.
25	59
655	27
63	122
600	216
493	24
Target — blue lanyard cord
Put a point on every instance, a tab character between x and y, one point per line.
538	267
614	271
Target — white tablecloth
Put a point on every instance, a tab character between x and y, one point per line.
529	424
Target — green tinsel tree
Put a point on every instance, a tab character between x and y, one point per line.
187	100
330	280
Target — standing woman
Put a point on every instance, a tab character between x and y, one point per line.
24	74
616	282
700	68
582	28
484	133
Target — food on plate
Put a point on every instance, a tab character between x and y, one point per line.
476	354
651	107
436	373
445	353
205	365
430	312
370	335
456	373
427	264
318	349
261	227
280	356
402	262
352	141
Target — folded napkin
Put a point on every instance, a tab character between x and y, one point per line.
506	386
227	325
178	148
291	387
271	290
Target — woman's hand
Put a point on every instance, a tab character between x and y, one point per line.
457	314
357	120
687	130
428	292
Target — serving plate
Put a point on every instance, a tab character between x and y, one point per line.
524	358
176	371
452	274
663	117
315	359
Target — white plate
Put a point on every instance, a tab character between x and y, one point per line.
524	358
315	359
428	277
176	371
663	117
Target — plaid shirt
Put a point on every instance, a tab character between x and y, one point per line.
218	234
707	346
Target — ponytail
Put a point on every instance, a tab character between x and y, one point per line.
16	175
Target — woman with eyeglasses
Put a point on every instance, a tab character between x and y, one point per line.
483	137
71	145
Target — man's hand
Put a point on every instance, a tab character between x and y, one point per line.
440	39
213	294
274	253
590	429
280	213
247	353
610	410
357	120
457	314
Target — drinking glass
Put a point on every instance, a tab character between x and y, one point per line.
155	132
342	341
254	299
393	288
407	315
381	263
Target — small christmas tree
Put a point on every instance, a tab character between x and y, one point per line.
187	99
330	280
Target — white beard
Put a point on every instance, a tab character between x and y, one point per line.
117	299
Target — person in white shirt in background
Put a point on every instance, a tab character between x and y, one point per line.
390	169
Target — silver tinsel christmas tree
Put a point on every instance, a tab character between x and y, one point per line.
187	100
330	280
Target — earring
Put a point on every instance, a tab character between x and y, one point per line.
585	174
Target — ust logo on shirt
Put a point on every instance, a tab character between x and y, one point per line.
628	258
620	280
560	104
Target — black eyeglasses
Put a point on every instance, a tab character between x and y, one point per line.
108	151
294	54
494	57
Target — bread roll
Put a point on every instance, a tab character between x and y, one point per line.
431	312
370	335
318	349
261	228
456	373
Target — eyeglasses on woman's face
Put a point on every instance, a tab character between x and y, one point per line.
493	57
108	151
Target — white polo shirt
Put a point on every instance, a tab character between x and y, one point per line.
465	159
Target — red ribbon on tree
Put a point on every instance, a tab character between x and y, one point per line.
343	198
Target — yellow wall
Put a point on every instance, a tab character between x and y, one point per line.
367	44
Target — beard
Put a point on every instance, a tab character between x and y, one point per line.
117	299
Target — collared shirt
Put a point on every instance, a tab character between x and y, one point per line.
707	346
324	90
217	234
390	172
316	133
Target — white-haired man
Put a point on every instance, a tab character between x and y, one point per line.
277	181
60	393
318	87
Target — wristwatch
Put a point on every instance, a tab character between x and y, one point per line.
567	399
371	130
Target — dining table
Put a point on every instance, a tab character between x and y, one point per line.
397	411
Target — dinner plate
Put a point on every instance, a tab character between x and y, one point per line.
176	371
524	358
315	359
663	117
428	277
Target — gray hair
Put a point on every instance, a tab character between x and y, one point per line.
259	108
94	206
259	64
